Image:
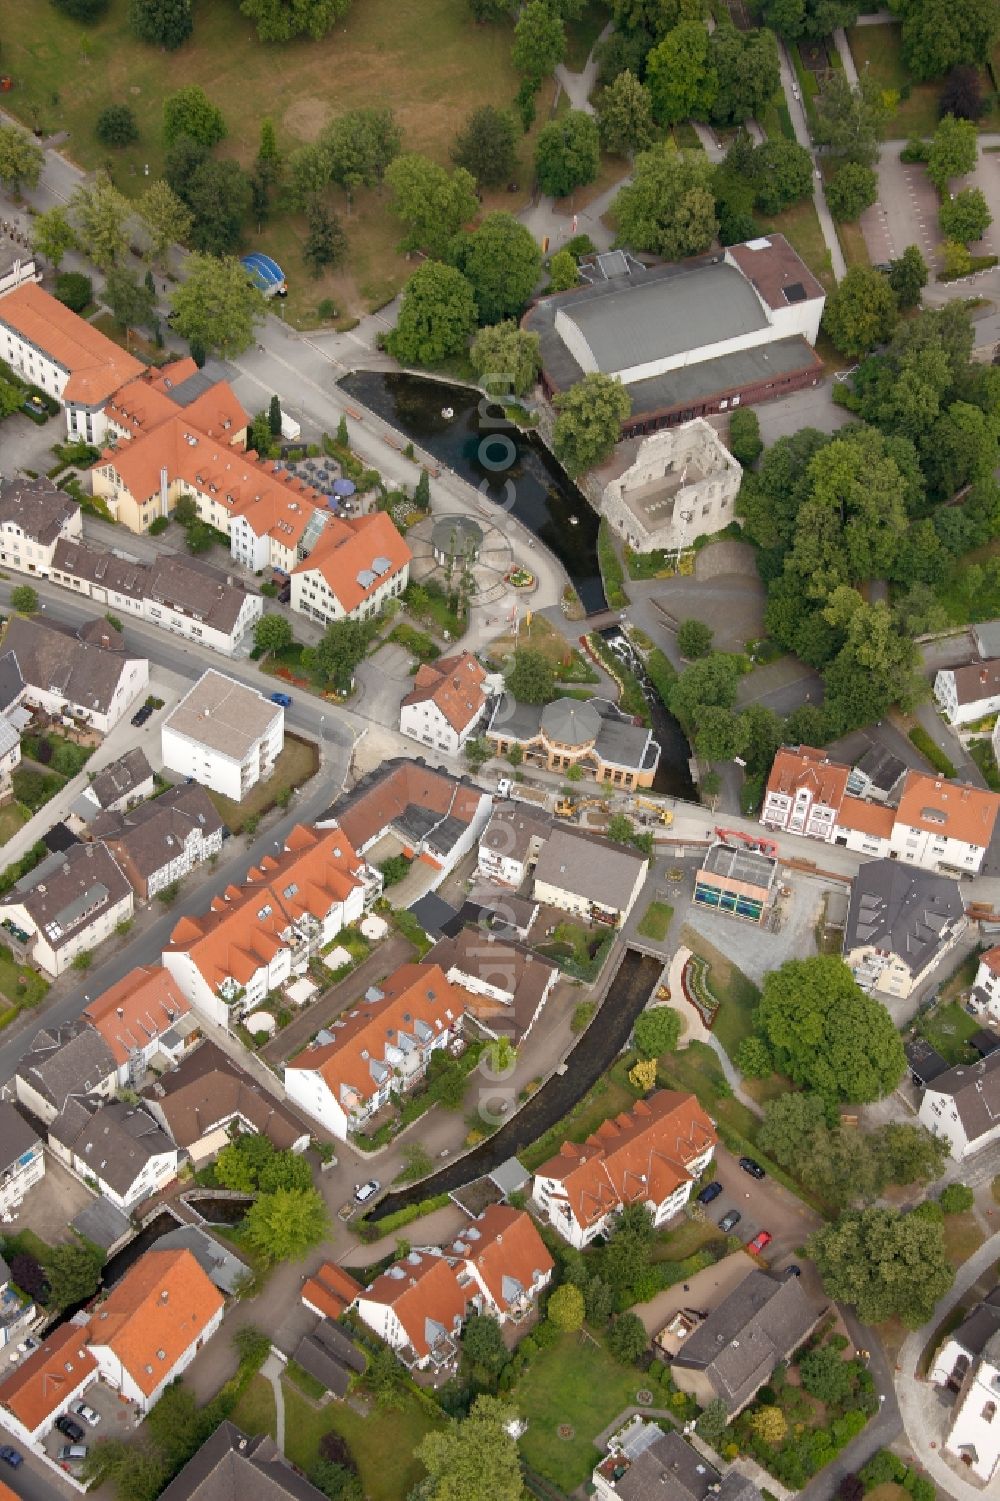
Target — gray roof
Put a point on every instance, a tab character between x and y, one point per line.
191	588
11	681
432	913
759	1324
226	715
229	1466
218	1263
103	1223
880	767
575	722
570	722
9	738
738	864
188	390
924	1062
625	744
975	1089
120	778
75	887
77	671
37	507
16	1136
148	837
664	1465
908	912
512	827
590	867
116	1140
514	720
987	636
330	1357
66	1061
975	1331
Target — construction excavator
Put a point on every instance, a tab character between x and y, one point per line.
569	807
664	815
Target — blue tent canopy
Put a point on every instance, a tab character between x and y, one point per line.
265	273
344	487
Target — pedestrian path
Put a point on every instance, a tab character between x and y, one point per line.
273	1369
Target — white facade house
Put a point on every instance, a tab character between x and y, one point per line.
223	734
512	842
92	679
681	485
34	518
966	694
804	793
116	1146
65	907
23	1159
963	1105
10	754
355	566
986	986
901	924
974	1436
40	1388
592	879
447	703
943	825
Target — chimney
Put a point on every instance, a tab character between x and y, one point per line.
164	508
121	1013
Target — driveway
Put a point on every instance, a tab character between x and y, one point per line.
384	680
812	407
764	1205
783	685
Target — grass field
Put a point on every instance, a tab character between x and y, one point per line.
962	1237
852	243
948	1029
382	1449
297	763
254	1412
12	818
29	994
877	49
576	1382
656	921
427	58
800	225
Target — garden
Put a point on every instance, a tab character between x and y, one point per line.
298	761
948	1028
655	921
577	950
383	1450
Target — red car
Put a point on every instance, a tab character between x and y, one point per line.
760	1241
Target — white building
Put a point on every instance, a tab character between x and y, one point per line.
23	1159
63	1061
804	793
943	825
968	1364
355	566
682	484
969	693
447	703
142	1015
89	676
986	986
34	518
10	754
582	1188
41	1387
66	906
116	1146
901	923
223	734
512	842
963	1105
590	878
65	356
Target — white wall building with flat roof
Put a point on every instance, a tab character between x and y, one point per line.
223	734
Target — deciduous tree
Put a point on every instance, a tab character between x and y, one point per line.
190	112
908	276
681	79
358	147
966	217
938	34
482	1344
502	260
884	1263
565	1309
656	1032
588	425
52	235
272	633
131	302
486	146
161	23
116	126
325	243
851	190
217	305
432	202
669	206
21	160
625	115
563	271
437	315
850	119
747	73
284	1225
73	1272
953	151
530	678
782	173
166	219
343	645
567	153
627	1338
861	311
539	40
283	20
476	1460
962	95
99	213
694	639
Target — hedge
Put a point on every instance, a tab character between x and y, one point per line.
933	753
403	1217
611	568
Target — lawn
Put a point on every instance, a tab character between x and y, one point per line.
877	49
962	1237
656	921
981	752
31	993
428	58
12	818
609	1097
573	1381
254	1412
697	1070
948	1029
852	243
381	1444
297	763
737	995
568	664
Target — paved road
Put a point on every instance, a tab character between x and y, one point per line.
796	109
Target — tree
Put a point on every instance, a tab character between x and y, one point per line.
284	1225
285	1171
24	599
962	95
826	1034
85	11
745	443
240	1163
99	214
74	290
782	173
669	206
190	112
490	10
131	302
642	1075
21	160
712	1422
219	196
437	315
358	147
849	119
166	219
530	677
625	116
746	67
563	271
502	261
679	75
884	1263
274	416
825	1374
486	146
422	492
52	235
851	1488
218	305
753	1058
431	201
325	243
588	425
341	648
656	1032
161	23
908	277
27	1274
709	682
565	1309
860	312
769	1424
966	217
937	35
539	41
272	633
567	153
953	151
284	20
720	735
814	19
73	1272
338	1482
694	639
627	1338
910	1154
955	1199
851	190
116	126
476	1460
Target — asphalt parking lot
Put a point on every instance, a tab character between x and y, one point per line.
762	1205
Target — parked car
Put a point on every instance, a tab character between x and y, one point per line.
86	1412
11	1456
72	1453
794	1270
749	1165
141	715
284	699
72	1430
760	1242
364	1191
709	1192
730	1221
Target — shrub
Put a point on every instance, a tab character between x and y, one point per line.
74	290
956	1198
116	126
745	443
931	752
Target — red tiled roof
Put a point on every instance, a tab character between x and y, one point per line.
96	365
155	1313
346	551
418	1289
145	404
808	767
140	1007
508	1246
374	809
991	958
454	684
40	1384
640	1157
330	1289
867	818
953	810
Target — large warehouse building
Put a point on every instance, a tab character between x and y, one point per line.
690	338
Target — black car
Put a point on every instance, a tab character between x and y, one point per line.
753	1168
141	715
709	1192
730	1221
72	1430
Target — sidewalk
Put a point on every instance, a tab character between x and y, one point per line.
796	110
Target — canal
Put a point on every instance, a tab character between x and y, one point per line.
544	498
597	1049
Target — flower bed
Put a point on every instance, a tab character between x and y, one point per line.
694	983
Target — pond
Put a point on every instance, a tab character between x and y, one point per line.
544	498
593	1054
